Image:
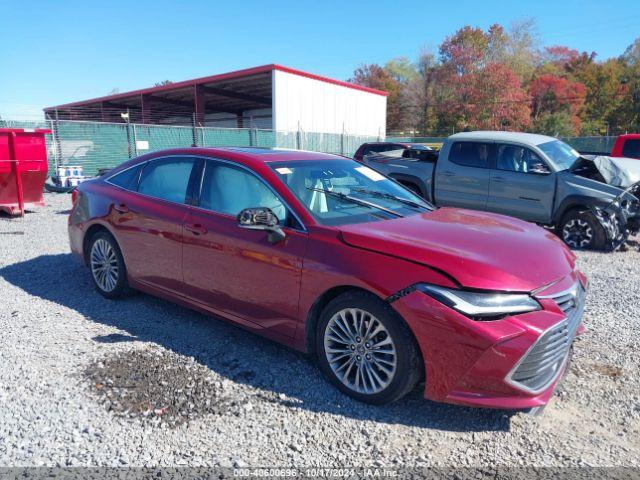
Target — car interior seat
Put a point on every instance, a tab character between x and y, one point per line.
231	190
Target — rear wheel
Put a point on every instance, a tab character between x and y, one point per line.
108	270
366	350
582	230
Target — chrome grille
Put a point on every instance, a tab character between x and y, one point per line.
540	366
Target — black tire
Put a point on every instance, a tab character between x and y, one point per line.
409	366
121	285
593	236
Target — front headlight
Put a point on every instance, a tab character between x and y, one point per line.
481	305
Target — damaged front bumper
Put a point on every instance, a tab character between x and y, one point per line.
620	218
511	363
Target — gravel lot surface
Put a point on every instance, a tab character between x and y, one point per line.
67	357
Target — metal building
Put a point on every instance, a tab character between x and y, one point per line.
268	97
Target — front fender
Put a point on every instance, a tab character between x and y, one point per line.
576	191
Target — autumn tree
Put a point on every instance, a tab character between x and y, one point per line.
604	84
411	97
468	50
629	112
501	79
425	89
605	93
497	100
519	50
473	89
559	55
556	97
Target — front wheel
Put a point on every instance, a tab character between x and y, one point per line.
366	350
582	230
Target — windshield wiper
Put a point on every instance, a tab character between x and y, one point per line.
406	201
359	201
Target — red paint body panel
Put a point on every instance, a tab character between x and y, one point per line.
219	263
480	250
469	360
330	263
218	268
618	146
23	168
151	234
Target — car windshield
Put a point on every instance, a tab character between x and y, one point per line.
339	192
561	154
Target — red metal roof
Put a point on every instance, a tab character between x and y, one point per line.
222	76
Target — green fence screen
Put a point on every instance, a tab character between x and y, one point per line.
95	145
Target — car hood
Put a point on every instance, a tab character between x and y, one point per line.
618	171
479	250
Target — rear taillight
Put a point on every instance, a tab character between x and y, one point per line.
74	196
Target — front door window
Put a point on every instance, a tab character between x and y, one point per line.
227	189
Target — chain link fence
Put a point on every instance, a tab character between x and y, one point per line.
97	145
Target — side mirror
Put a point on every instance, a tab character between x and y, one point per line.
540	169
261	218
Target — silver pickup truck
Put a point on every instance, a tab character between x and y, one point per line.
590	201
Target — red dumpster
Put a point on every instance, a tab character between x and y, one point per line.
23	168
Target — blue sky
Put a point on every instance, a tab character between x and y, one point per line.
53	52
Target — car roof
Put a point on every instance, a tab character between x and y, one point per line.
521	137
247	155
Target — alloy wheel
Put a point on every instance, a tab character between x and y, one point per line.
360	351
577	233
104	265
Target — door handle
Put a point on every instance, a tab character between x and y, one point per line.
122	208
195	228
447	173
498	179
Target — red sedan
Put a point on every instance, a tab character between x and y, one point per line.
330	257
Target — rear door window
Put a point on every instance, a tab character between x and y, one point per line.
127	179
631	148
167	179
472	154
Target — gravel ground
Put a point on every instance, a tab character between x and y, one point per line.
68	360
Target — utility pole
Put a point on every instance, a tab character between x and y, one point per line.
194	129
125	117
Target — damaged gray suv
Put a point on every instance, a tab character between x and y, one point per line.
592	202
